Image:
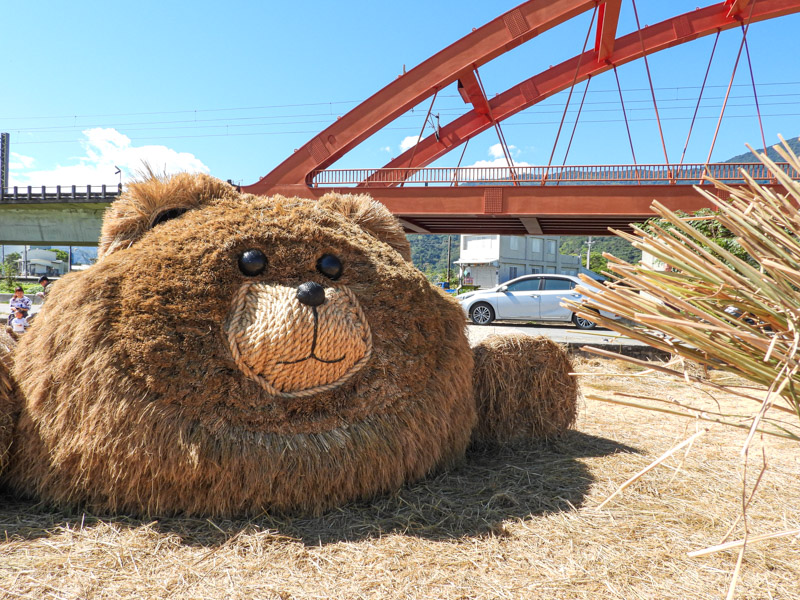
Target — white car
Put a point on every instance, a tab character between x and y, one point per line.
527	298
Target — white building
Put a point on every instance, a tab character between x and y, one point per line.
489	260
37	262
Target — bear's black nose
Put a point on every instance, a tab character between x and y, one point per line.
311	293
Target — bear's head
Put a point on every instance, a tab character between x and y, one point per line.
230	353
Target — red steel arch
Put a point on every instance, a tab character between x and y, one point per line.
458	63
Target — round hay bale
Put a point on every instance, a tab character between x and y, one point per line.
523	389
8	397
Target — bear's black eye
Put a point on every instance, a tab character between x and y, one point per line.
172	213
252	262
330	266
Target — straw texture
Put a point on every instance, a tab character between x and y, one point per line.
523	389
9	401
295	350
211	364
135	402
709	305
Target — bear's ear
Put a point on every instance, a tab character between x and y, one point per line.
372	216
152	200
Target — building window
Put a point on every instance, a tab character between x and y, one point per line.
512	272
572	272
536	270
536	245
551	246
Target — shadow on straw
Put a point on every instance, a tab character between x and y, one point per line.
473	499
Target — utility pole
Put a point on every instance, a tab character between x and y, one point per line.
588	251
4	152
449	243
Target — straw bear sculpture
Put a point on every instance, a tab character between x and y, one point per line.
230	354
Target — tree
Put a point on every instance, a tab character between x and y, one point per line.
10	269
706	221
11	259
61	255
597	262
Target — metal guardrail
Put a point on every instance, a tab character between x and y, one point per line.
99	193
532	175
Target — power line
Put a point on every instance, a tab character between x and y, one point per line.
335	103
236	121
313	131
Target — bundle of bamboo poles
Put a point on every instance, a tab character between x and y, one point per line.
706	304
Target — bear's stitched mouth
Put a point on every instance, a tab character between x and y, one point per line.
313	347
291	349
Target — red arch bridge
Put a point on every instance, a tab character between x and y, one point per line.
553	199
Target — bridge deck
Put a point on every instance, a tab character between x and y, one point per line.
537	200
59	194
643	174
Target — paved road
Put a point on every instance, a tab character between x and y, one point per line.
571	336
563	334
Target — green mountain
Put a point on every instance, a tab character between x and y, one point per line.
429	253
576	244
794	144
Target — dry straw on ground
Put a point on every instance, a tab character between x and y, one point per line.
519	523
712	307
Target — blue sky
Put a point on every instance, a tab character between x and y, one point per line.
233	88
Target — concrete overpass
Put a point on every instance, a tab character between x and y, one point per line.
68	216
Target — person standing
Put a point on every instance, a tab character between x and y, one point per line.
19	301
44	281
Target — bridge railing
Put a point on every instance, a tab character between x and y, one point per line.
68	193
652	174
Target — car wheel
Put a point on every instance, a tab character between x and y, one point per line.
481	314
583	323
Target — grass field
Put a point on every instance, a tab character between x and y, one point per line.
515	523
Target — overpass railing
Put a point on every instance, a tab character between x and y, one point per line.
68	193
653	174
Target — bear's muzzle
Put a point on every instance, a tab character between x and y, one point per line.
295	347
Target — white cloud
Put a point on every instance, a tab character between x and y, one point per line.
386	149
498	162
496	151
19	161
408	142
105	149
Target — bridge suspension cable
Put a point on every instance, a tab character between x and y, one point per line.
575	125
571	89
501	137
422	130
730	84
650	80
755	94
699	98
624	114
